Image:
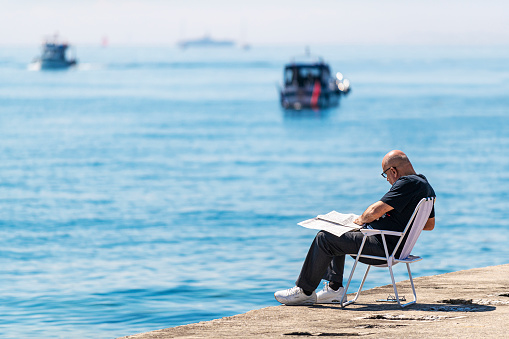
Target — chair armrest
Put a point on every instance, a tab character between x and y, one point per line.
370	231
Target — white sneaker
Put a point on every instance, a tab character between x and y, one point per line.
328	295
295	296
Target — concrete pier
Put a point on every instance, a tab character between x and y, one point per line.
465	304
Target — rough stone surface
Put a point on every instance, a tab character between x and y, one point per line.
465	304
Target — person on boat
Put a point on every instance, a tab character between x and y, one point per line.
326	256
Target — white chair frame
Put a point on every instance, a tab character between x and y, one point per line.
418	220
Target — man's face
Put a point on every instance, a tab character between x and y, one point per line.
390	173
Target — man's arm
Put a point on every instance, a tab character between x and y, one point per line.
373	212
430	224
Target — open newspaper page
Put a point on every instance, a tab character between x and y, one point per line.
332	222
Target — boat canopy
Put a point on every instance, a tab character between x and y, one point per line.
301	74
54	51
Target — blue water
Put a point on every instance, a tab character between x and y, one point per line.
154	187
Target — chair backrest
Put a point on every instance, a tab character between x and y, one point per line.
415	226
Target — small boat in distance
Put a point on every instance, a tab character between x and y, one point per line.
206	41
54	55
308	83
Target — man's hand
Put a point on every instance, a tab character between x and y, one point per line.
373	212
358	221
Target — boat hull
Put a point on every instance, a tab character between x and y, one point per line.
56	64
302	99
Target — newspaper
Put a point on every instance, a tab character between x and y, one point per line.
332	222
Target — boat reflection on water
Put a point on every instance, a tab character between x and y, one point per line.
309	84
54	56
308	113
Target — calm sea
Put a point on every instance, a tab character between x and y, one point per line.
155	187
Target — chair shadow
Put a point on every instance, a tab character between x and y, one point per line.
392	306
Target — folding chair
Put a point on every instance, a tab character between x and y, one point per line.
414	228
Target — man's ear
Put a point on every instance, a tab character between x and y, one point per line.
395	169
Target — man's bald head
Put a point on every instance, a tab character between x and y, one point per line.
398	160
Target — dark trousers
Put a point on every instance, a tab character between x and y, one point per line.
326	257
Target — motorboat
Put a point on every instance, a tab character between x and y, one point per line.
54	55
308	83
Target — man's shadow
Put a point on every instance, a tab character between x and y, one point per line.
392	306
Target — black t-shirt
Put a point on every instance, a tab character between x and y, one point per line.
403	196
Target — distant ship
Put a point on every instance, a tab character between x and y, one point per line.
54	55
309	84
206	41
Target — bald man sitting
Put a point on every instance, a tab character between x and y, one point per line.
326	256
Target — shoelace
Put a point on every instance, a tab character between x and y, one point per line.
294	290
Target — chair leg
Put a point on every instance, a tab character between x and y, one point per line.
394	285
345	302
396	289
413	286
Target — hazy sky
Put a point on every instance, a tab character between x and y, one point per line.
257	21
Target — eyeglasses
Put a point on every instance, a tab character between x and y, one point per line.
384	175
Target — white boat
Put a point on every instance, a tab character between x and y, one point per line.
309	83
